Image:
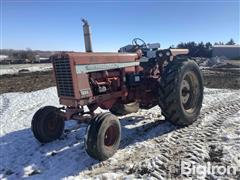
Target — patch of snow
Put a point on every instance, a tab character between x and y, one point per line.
2	57
15	68
22	156
231	138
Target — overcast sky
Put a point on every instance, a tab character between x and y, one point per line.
56	25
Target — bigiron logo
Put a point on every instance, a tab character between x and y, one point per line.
187	168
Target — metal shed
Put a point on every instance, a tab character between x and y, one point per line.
229	51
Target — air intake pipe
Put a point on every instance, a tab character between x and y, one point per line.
87	36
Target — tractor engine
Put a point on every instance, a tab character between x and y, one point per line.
105	82
87	78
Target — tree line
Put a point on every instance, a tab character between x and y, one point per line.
19	54
195	50
201	49
27	54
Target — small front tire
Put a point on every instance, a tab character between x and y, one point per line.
103	136
47	124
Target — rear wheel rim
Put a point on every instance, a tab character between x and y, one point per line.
111	135
189	92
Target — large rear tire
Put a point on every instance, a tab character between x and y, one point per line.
47	124
103	136
181	92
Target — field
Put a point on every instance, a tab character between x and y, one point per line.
15	68
150	146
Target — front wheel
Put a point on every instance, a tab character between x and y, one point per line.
181	92
47	124
103	136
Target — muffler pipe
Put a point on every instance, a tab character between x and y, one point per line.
87	36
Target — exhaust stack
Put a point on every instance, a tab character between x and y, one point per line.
87	36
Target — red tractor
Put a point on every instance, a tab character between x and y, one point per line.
140	75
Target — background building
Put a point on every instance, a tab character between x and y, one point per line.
229	51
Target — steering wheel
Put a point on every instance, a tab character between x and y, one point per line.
141	44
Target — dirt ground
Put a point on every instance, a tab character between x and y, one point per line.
222	78
32	81
26	82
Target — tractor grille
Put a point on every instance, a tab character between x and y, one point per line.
63	77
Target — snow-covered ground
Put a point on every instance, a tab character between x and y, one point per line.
15	68
150	147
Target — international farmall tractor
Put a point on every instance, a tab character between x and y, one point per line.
140	75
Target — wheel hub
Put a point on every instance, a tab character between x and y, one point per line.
189	91
185	91
110	136
51	124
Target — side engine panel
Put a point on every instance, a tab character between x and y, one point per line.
86	78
